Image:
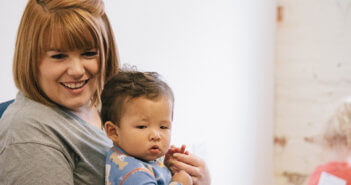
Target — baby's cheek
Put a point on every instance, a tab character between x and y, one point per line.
165	147
166	138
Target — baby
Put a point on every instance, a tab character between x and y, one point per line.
137	112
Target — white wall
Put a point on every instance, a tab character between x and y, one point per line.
218	58
254	33
312	77
10	15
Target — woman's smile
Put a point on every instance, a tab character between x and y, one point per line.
74	85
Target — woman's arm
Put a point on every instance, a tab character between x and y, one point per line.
34	164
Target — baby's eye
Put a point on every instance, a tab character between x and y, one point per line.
58	56
141	127
90	53
164	127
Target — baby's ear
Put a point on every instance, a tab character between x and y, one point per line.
111	131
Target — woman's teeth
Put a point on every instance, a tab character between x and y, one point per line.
74	85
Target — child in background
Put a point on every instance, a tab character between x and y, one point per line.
137	112
337	138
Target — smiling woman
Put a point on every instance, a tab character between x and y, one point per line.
63	27
51	134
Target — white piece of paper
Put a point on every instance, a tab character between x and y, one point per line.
328	179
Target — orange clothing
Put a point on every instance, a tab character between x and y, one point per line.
336	168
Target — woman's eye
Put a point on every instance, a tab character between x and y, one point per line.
89	53
141	127
58	56
164	127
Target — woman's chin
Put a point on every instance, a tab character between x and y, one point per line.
77	105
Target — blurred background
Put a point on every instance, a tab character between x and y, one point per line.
254	80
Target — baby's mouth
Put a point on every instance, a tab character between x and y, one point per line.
74	85
155	149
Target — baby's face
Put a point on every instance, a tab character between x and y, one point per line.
145	128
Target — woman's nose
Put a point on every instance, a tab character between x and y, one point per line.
76	67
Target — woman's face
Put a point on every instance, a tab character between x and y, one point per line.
69	78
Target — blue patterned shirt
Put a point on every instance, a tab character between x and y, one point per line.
123	169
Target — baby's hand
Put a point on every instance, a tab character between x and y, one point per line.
169	156
182	177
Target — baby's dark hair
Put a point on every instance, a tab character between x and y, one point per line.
128	85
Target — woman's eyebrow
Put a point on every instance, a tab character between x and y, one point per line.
87	49
54	49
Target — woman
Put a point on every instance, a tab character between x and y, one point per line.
51	134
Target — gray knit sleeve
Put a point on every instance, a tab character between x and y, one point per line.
34	164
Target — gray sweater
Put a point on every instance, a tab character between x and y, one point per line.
44	145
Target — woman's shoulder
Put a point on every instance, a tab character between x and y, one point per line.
24	121
28	121
24	112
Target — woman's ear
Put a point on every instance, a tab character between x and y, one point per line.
111	131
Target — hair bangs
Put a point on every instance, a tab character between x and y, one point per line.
67	31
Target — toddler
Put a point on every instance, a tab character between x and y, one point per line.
137	112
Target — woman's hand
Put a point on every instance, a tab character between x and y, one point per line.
178	159
169	155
